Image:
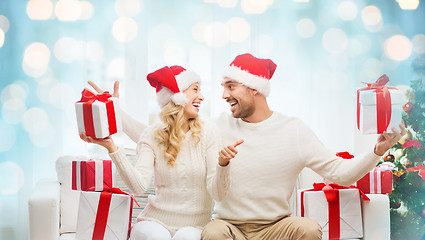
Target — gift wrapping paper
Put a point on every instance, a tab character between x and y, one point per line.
338	211
378	107
104	216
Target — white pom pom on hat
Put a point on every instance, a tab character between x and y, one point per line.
170	82
252	72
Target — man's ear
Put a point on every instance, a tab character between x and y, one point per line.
254	92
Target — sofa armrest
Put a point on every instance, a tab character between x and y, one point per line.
44	210
376	217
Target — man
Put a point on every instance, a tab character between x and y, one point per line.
275	150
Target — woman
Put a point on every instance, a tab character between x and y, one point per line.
181	153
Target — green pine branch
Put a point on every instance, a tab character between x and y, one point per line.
408	221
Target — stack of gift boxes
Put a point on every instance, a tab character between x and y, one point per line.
338	209
104	211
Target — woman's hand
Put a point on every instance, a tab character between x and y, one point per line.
107	142
99	90
227	153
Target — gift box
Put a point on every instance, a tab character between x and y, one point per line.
376	216
92	175
378	107
379	180
98	114
104	215
337	209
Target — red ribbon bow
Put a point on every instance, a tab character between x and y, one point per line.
334	186
380	83
332	196
103	211
87	98
383	102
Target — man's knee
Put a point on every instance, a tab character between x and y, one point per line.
216	229
309	229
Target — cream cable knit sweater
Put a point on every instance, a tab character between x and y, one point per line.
184	192
265	170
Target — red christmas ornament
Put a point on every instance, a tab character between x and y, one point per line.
407	107
389	158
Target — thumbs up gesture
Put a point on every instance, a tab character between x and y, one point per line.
228	152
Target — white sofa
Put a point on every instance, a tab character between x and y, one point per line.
53	206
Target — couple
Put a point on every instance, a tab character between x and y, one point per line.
252	185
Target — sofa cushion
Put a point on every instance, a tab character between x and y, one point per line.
64	168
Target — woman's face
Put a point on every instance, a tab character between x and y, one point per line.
193	94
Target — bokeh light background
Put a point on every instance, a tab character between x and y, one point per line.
50	48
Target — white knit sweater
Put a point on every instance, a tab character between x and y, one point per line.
184	192
265	170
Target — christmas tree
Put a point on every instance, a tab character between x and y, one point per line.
408	196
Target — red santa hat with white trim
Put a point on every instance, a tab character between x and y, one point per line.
252	72
170	82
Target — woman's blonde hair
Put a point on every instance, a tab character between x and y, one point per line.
171	135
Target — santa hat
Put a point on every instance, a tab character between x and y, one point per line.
252	72
170	82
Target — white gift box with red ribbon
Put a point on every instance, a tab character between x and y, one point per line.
104	215
98	114
378	107
338	211
92	175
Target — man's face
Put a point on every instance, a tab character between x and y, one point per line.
239	97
